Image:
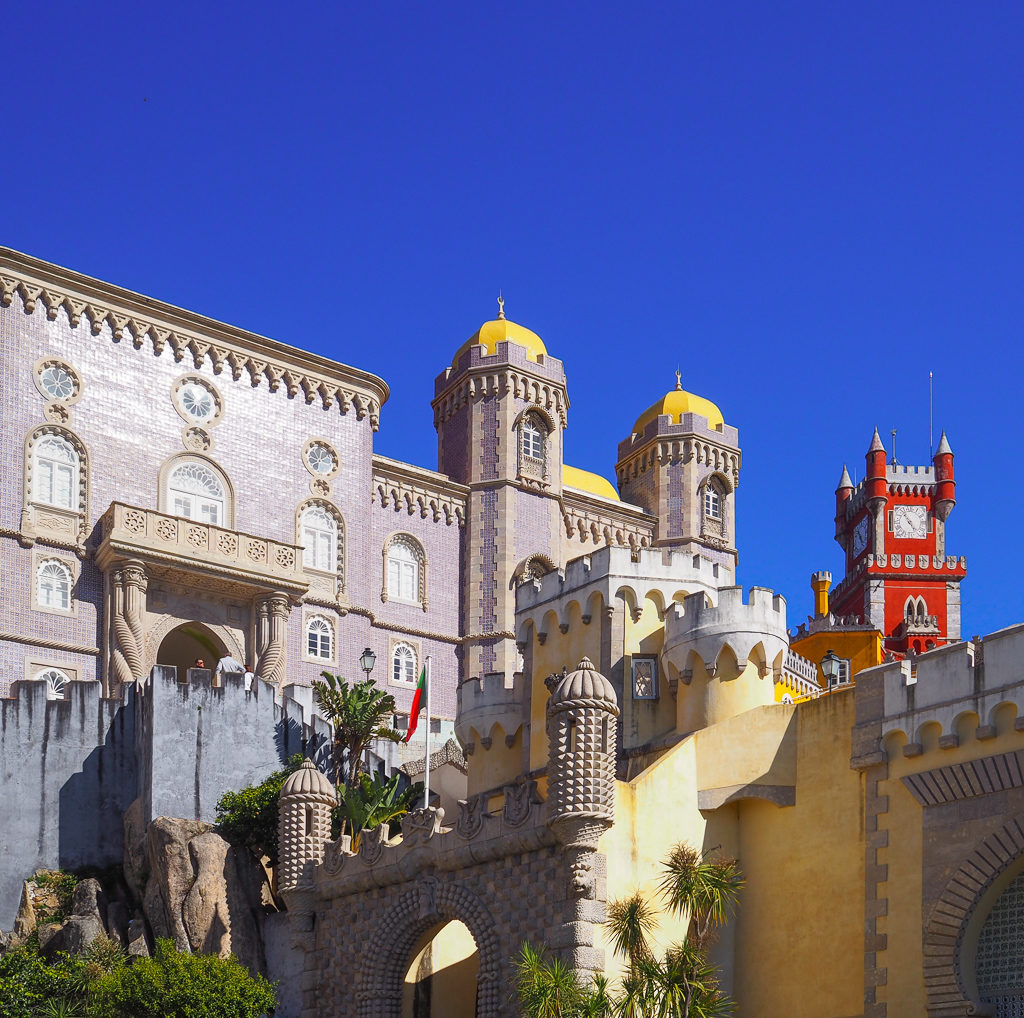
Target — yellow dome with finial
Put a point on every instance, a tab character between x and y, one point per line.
676	403
490	334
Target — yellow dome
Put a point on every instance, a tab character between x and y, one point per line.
490	334
676	403
584	480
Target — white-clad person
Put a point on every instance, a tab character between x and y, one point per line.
228	665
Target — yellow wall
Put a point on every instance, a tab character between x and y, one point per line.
446	969
863	648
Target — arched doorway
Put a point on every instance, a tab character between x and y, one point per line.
441	980
414	919
188	642
999	964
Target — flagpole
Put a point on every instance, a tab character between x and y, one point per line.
426	740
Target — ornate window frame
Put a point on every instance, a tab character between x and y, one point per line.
420	554
334	587
57	682
329	446
57	362
37	667
70	565
309	620
56	525
528	466
714	527
218	400
168	467
394	645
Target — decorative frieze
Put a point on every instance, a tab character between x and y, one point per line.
418	492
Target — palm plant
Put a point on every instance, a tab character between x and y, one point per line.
548	988
372	802
359	713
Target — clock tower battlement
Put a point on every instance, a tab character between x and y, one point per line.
892	528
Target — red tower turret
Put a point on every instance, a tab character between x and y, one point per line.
945	486
899	579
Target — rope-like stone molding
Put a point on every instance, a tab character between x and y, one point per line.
51	542
35	641
944	931
140	327
428	634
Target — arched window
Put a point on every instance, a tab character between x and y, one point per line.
403	665
712	502
319	536
196	492
532	445
405	564
53	585
56	683
55	473
319	638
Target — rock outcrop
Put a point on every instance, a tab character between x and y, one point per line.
200	891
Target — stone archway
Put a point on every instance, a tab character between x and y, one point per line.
386	955
183	644
944	931
159	627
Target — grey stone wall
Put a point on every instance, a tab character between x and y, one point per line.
67	772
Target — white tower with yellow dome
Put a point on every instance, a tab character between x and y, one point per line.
681	463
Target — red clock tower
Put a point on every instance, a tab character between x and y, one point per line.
892	526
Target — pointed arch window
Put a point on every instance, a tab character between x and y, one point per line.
196	492
53	585
533	436
319	538
56	473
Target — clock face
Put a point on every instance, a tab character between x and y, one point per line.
910	521
860	537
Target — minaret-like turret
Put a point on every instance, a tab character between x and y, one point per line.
843	493
304	826
581	726
945	485
875	475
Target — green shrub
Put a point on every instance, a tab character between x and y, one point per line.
28	983
175	984
63	886
249	817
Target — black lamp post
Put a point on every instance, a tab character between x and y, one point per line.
367	660
830	665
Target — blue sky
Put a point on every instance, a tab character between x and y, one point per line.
805	206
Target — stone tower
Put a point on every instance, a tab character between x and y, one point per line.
581	716
682	464
892	526
304	826
500	411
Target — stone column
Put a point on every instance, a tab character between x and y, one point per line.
129	582
272	613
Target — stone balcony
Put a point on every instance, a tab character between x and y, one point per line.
176	545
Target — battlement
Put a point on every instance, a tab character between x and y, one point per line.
942	685
507	353
486	702
637	569
695	626
897	473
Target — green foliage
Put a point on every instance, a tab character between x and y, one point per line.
28	984
175	984
249	817
63	886
106	954
359	713
372	802
548	988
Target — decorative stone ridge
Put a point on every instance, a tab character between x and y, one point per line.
144	319
418	491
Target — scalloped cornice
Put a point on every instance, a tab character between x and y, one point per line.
417	490
614	523
484	380
144	319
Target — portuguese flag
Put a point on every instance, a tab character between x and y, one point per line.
417	703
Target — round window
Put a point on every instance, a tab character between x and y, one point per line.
196	400
58	381
321	458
